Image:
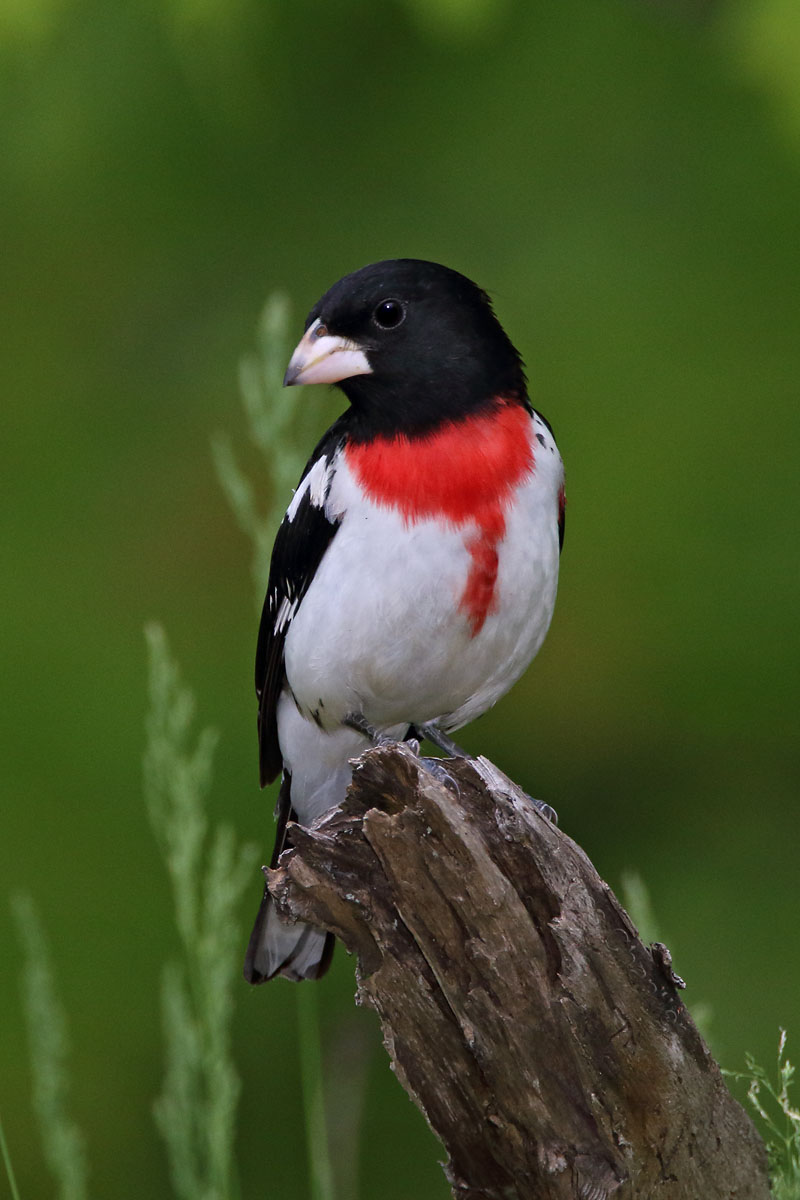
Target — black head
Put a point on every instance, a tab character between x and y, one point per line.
410	343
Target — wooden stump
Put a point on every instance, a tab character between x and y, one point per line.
546	1045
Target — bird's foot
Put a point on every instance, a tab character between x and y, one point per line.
434	767
546	811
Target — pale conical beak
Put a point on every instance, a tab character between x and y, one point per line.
322	357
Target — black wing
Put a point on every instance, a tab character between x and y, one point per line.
304	536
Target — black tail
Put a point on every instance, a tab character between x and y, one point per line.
278	945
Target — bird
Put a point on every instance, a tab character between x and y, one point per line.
413	577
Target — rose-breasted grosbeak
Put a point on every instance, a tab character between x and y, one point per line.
414	574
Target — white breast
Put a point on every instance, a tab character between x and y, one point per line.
380	630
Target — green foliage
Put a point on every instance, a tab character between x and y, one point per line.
48	1041
196	1110
777	1117
271	415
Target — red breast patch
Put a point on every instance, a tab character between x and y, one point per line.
465	473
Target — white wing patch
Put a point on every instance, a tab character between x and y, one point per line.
285	613
315	486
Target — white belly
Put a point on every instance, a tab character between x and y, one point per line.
381	630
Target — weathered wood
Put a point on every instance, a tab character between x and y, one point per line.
547	1047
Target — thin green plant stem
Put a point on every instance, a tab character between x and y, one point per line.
319	1160
12	1182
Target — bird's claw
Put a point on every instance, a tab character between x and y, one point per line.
545	810
434	767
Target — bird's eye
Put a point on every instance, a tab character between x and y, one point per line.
389	314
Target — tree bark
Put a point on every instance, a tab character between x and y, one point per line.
545	1044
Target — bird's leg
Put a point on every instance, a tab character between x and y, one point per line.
438	738
358	722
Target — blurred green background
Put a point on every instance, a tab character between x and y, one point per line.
624	177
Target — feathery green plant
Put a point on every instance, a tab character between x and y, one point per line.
196	1110
778	1117
208	872
274	422
48	1042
